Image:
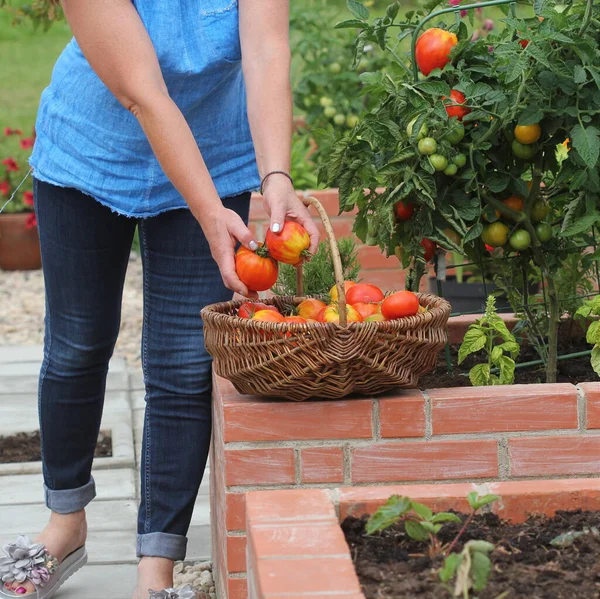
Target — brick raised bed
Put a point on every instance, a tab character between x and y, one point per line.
485	434
296	546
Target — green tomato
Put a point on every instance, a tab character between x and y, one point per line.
460	160
456	134
308	102
539	211
451	170
438	162
339	119
423	132
325	101
329	111
495	235
351	121
524	152
427	146
520	240
543	232
335	68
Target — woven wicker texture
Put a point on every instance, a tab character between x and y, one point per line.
297	361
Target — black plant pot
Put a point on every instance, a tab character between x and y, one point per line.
469	297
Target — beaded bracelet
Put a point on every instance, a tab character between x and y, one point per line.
262	183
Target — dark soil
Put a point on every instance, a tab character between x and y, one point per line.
575	370
25	447
524	563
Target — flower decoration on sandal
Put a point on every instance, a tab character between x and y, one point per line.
185	592
24	560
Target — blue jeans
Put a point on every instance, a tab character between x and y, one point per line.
85	251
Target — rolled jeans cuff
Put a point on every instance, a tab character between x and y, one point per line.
162	544
68	501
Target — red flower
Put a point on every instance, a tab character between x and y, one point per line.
28	198
4	188
10	164
26	143
31	221
8	131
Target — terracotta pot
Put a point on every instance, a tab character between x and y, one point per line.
19	246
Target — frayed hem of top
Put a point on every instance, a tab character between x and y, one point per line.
122	212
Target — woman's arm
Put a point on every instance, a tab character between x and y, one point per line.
264	34
118	47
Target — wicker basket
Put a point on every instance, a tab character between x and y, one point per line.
326	360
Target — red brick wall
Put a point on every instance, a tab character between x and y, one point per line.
480	434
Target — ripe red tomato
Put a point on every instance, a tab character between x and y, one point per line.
255	269
400	305
268	316
249	309
291	245
310	309
366	310
429	247
455	106
365	293
404	211
524	43
433	49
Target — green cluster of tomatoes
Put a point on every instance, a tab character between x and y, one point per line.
331	112
428	146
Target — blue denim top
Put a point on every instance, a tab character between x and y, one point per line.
87	140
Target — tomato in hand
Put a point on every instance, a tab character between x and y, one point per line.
400	305
364	292
256	269
455	107
249	309
404	211
429	248
291	245
310	308
528	134
433	49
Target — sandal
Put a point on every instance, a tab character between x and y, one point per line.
185	592
30	562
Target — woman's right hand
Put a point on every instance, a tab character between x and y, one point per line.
223	229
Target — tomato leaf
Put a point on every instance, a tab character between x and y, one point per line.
351	24
581	225
498	182
473	233
587	144
359	10
531	116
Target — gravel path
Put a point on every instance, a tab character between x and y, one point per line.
22	310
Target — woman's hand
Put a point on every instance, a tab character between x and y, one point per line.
223	229
282	203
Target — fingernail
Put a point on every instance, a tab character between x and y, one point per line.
253	246
275	227
21	590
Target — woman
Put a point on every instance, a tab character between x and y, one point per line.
156	111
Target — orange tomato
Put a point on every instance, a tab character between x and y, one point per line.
366	310
291	245
310	308
528	134
514	203
296	319
400	305
256	269
332	314
365	293
333	294
268	316
433	49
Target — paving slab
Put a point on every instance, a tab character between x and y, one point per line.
112	515
27	488
21	353
100	582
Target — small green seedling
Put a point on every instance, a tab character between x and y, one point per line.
484	334
591	311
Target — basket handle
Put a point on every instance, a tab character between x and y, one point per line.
335	255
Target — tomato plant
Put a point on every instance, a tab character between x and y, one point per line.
526	100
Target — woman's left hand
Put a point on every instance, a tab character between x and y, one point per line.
283	204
